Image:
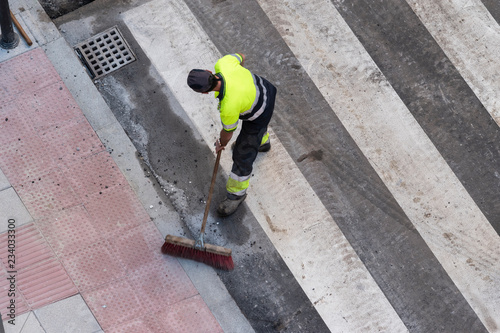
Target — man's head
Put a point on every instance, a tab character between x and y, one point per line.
201	80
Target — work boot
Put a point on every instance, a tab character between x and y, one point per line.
265	147
229	206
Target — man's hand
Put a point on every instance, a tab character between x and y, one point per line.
224	138
218	146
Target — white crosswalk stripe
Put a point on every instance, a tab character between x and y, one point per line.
470	37
453	227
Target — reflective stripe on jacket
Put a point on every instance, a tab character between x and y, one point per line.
243	96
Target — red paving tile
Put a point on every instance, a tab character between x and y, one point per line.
13	124
115	210
69	230
45	283
115	303
94	266
25	160
72	140
187	316
162	283
30	248
20	305
138	246
27	72
94	174
146	324
40	277
49	106
47	193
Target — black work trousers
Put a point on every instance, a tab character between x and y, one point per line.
247	146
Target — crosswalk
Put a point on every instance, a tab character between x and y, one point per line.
397	148
381	225
470	37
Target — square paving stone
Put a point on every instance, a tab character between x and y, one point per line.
94	266
115	303
68	315
11	207
69	230
190	315
47	193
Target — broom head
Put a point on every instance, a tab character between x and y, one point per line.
213	255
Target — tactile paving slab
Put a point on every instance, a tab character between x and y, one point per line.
25	160
69	230
72	140
30	247
115	210
112	304
162	283
29	71
146	324
6	288
14	125
45	283
138	246
49	106
189	315
93	174
105	52
40	277
94	266
47	193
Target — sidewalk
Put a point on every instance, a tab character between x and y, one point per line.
88	223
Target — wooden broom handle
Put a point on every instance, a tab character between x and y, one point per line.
20	28
209	199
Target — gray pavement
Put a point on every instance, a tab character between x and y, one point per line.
72	314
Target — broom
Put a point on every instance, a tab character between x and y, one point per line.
213	255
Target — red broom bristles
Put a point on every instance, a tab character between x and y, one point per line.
218	261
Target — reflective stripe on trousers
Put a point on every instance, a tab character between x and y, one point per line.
252	135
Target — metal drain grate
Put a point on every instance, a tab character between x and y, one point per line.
105	52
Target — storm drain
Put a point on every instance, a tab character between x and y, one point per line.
105	52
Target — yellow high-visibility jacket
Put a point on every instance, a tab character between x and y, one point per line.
242	95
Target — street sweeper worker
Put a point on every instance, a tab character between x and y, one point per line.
241	95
